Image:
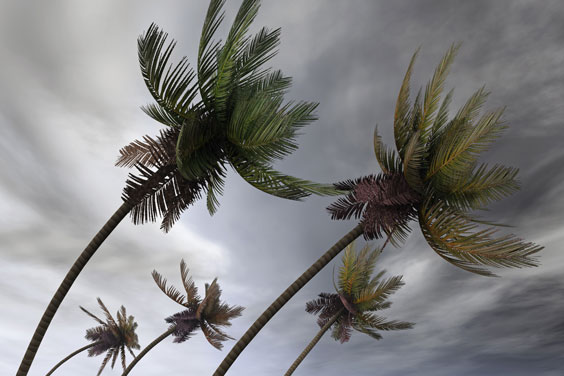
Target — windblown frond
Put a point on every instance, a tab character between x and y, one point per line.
173	90
207	53
387	158
459	242
169	291
402	128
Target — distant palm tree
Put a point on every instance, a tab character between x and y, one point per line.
434	178
240	120
109	337
207	314
358	295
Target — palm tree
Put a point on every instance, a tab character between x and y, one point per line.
432	177
109	337
351	307
208	314
240	120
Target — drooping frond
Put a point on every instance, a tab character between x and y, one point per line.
387	158
169	291
185	324
270	181
459	241
385	202
173	90
342	329
433	91
215	183
402	128
213	337
161	115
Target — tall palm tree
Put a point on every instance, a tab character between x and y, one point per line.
111	337
351	307
240	120
207	314
432	177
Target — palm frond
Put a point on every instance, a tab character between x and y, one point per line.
387	158
414	161
173	90
207	53
170	291
161	115
189	285
151	152
369	321
402	128
213	337
232	48
459	241
215	188
433	91
185	323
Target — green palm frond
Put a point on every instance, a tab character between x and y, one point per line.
433	91
270	181
227	58
215	186
402	128
459	148
207	52
414	161
459	241
162	116
171	88
370	322
371	294
484	186
387	158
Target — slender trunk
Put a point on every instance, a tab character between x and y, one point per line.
313	343
146	350
77	267
283	299
70	356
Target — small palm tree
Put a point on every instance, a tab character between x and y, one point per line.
240	120
433	177
111	337
351	307
208	314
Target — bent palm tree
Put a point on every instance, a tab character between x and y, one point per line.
434	178
240	121
207	314
357	297
110	336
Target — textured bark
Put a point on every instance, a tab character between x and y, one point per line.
147	348
313	343
70	356
284	298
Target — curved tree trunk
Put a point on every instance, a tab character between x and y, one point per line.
312	343
79	264
284	297
146	350
70	356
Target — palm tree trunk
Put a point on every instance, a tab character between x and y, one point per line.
312	343
147	348
77	267
284	297
70	356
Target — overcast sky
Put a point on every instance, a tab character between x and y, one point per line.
71	91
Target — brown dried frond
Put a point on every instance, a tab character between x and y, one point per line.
151	152
385	202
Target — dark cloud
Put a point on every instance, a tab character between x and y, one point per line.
70	98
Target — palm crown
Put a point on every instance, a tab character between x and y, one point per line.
433	176
358	296
239	120
207	314
111	336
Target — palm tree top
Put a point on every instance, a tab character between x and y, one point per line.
230	111
209	314
112	336
358	295
433	176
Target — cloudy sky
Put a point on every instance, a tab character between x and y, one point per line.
71	91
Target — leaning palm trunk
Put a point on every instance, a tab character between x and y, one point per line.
285	297
70	356
77	267
313	342
147	348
